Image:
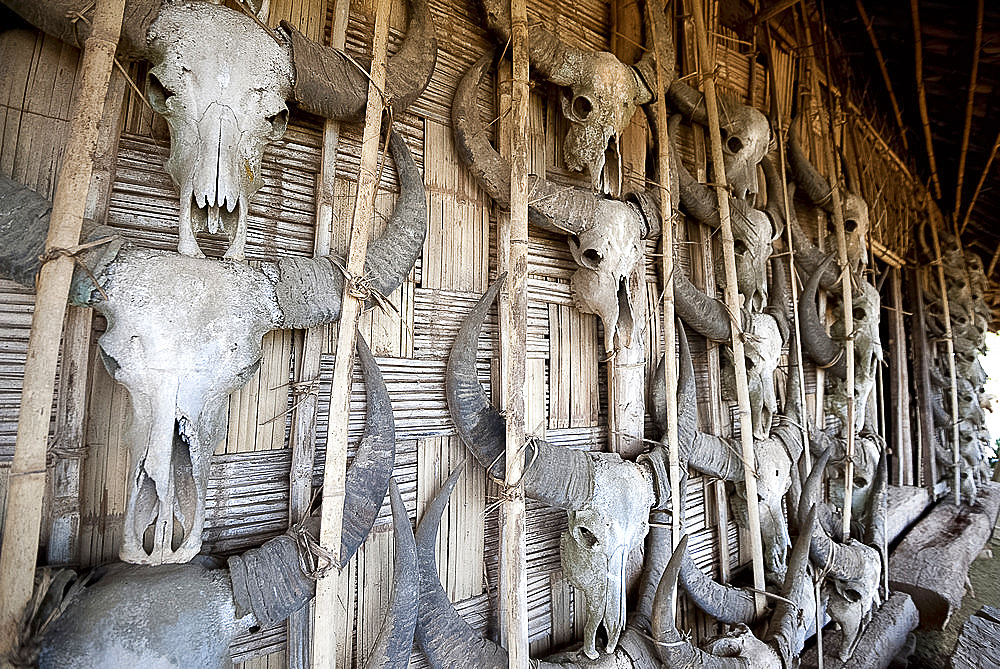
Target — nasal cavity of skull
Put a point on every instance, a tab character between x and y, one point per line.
157	94
182	490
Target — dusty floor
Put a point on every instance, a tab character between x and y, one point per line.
934	648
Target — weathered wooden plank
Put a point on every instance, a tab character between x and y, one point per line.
978	644
881	639
932	562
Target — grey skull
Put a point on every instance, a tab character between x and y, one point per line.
222	82
183	333
599	93
604	235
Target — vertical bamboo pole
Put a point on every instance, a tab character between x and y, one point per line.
925	120
658	28
302	440
733	302
512	250
967	128
949	342
846	278
26	483
329	607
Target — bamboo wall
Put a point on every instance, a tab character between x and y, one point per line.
248	492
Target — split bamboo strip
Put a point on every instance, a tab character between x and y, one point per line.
329	607
302	440
979	186
967	128
658	32
949	342
835	176
925	120
733	303
27	474
866	20
512	257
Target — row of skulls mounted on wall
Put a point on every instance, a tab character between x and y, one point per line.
179	375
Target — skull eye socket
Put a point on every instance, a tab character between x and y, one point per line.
734	144
592	256
587	537
739	247
850	225
577	107
852	595
859	314
279	123
157	94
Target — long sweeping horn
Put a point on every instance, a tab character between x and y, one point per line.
444	636
816	343
553	207
331	84
371	471
560	477
806	175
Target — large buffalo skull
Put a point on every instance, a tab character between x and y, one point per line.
605	236
183	333
180	616
607	498
599	93
222	82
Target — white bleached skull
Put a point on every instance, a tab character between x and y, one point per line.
600	538
221	84
867	305
752	236
745	136
599	105
182	335
852	602
611	277
741	643
762	353
867	451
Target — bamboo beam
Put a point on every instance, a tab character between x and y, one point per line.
658	28
329	607
733	302
967	128
935	220
925	120
302	440
512	251
866	20
979	186
26	483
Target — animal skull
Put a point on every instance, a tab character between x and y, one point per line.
762	352
221	84
867	304
600	538
851	602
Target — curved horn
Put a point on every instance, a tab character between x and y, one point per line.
370	473
329	83
816	343
808	177
269	582
673	648
697	199
688	101
790	621
708	316
723	602
556	208
309	290
687	407
395	640
560	477
775	207
441	633
55	17
778	298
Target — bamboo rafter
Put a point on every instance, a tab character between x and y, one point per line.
967	128
925	121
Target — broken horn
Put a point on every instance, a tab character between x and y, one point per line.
816	343
330	83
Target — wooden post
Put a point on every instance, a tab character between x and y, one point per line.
302	440
922	360
733	302
657	27
949	342
330	608
26	487
512	250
